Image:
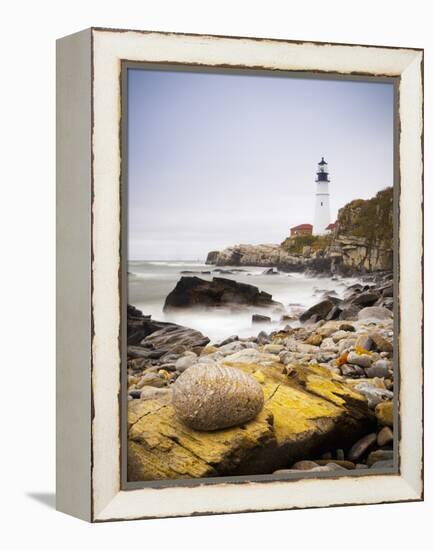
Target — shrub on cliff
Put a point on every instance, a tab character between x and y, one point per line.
295	244
371	219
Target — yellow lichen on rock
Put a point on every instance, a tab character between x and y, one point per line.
162	447
302	411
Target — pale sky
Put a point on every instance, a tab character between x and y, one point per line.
220	159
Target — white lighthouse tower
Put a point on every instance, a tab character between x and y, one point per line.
322	199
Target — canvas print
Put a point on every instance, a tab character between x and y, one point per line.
259	305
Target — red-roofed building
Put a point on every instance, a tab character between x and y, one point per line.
302	229
331	227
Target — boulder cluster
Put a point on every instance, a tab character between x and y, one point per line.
316	396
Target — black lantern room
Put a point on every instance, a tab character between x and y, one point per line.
322	172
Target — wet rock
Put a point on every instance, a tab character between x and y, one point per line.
320	310
229	340
362	360
366	299
192	292
263	338
349	313
139	326
384	436
360	447
208	398
212	257
378	455
384	413
374	313
138	352
333	313
256	318
174	338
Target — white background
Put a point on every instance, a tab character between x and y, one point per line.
27	176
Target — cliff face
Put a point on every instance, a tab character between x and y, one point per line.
364	234
362	242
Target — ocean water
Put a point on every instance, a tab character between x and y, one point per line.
149	282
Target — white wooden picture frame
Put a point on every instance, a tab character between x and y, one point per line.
89	164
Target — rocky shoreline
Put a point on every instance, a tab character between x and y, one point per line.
362	242
327	384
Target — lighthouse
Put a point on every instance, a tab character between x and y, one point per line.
322	199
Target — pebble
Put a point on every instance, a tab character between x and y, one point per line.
328	344
183	363
340	335
375	313
383	464
364	342
304	465
207	350
314	340
347	464
347	327
330	467
361	360
348	370
346	344
384	413
273	348
381	343
380	369
151	379
379	455
384	436
361	446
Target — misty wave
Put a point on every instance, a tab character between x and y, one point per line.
154	280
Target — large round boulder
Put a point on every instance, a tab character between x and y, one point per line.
210	397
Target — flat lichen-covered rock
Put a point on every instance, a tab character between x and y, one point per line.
306	412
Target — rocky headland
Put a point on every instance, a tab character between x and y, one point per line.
360	243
